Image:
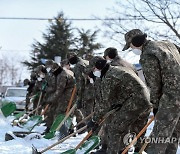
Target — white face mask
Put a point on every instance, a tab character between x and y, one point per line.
97	73
48	69
109	61
39	79
72	66
137	51
42	75
91	81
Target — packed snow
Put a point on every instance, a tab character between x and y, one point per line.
24	145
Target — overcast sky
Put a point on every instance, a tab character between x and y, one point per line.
17	36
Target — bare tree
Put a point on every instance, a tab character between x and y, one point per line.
10	70
160	19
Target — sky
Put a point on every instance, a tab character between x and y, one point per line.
17	36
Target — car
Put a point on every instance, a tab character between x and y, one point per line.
16	95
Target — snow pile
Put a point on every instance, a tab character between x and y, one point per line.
24	145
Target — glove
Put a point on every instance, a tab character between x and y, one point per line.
116	106
92	125
155	110
79	104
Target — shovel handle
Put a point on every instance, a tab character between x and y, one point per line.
36	113
89	116
65	138
71	99
137	137
46	108
65	118
100	123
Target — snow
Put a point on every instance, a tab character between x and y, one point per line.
24	145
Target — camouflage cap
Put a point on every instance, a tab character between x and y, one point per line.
49	63
92	63
40	69
64	62
129	35
71	54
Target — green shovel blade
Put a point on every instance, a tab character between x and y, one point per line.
89	145
8	108
32	122
55	125
18	115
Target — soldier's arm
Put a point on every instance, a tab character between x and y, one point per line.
80	82
61	84
152	74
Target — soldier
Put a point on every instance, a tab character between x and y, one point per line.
120	88
58	100
112	57
160	62
79	74
39	85
30	85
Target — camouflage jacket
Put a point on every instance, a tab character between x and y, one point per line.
79	74
63	81
118	61
160	62
116	87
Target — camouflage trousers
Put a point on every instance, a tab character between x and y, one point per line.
166	131
121	124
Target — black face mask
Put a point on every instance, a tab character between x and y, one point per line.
73	60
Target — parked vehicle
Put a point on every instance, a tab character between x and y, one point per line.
16	95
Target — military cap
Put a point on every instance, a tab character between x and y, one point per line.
129	35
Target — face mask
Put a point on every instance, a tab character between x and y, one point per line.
48	69
42	75
91	81
72	66
97	73
109	61
137	51
39	79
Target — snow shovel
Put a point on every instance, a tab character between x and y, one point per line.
89	145
32	122
60	121
34	150
138	136
85	148
8	109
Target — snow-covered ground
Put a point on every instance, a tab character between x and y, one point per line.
24	145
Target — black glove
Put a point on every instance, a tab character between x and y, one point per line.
155	110
79	104
116	106
92	125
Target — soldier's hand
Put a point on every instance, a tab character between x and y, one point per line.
79	104
92	125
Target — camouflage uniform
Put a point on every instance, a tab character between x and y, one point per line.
160	61
121	86
79	74
88	98
62	85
